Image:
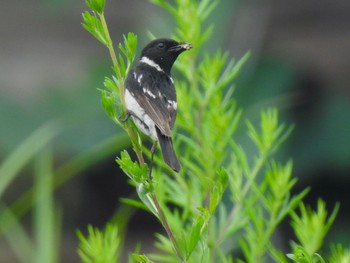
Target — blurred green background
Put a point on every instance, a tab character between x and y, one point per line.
50	69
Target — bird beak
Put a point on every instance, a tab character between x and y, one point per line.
186	46
181	47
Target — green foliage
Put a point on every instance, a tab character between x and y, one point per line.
46	220
94	26
224	199
96	5
42	244
301	255
128	50
10	167
141	258
111	96
16	235
311	226
271	133
137	173
189	16
139	178
339	254
99	247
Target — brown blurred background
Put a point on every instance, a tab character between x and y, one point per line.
50	69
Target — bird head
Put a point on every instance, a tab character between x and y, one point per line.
164	52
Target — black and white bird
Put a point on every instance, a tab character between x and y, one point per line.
150	96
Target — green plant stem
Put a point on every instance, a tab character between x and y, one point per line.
114	60
257	167
120	78
109	42
166	226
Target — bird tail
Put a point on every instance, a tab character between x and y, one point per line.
169	156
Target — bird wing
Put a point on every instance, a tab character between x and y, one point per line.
155	93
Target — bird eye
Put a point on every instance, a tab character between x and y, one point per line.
160	45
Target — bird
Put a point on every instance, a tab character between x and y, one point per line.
150	96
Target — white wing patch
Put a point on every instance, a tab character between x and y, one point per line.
147	91
139	78
141	119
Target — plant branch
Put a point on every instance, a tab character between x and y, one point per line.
131	133
166	226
